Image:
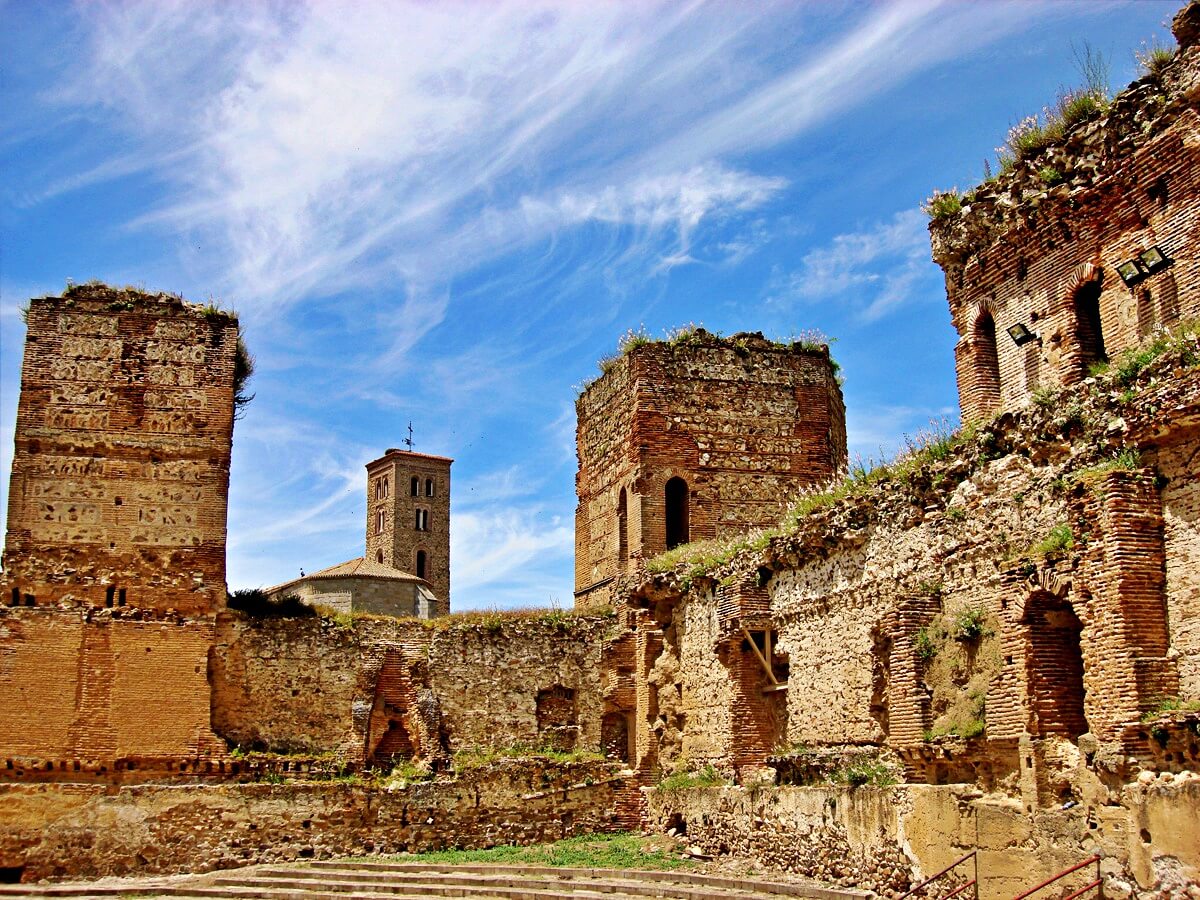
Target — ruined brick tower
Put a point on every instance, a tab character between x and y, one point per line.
695	438
408	516
114	563
120	475
1082	250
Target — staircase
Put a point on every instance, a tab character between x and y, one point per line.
407	881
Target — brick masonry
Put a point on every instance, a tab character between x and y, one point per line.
408	514
742	422
1024	251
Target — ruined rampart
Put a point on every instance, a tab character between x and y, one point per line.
1088	244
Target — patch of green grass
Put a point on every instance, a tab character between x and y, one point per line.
599	851
680	781
478	757
876	774
1169	705
1056	543
1051	176
927	647
970	623
1127	459
1152	58
944	204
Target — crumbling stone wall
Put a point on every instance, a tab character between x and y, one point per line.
880	838
734	425
81	830
1039	246
121	464
311	685
115	554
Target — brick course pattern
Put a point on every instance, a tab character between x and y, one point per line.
1023	251
114	562
121	466
742	422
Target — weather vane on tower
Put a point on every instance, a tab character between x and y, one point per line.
408	441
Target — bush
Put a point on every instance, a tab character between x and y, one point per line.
1058	541
943	204
970	624
255	602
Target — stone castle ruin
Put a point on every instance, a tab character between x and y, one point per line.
697	437
989	645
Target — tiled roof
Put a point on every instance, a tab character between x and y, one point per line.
357	567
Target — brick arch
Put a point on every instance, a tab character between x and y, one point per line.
985	357
1054	667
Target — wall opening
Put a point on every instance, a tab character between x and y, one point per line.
378	556
16	597
987	362
414	486
676	495
1054	667
428	487
1088	327
557	718
614	735
421	558
623	528
11	874
109	593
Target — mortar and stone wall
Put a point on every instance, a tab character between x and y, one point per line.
121	465
737	425
114	561
310	685
92	830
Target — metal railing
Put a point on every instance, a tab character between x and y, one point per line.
973	883
1097	882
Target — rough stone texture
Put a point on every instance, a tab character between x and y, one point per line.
1024	251
858	836
744	422
90	830
115	555
121	465
408	514
311	685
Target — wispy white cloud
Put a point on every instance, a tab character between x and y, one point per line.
876	270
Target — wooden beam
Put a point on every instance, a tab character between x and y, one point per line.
762	659
772	688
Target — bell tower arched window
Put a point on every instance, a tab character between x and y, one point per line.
421	563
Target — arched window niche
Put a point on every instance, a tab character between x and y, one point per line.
676	497
623	527
986	359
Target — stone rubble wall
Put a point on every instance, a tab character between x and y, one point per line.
309	684
745	422
1021	249
882	838
121	466
78	830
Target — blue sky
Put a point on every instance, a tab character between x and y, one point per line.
446	213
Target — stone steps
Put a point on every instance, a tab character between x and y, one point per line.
419	881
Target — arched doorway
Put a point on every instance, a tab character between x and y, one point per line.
1089	330
1054	667
676	496
987	363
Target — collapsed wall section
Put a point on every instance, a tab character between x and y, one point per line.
381	690
1089	245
